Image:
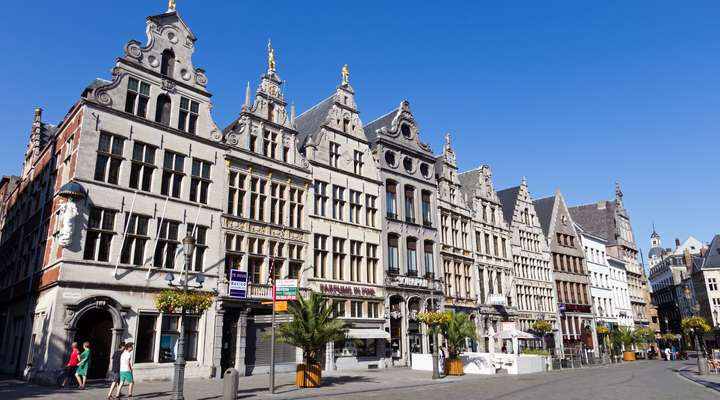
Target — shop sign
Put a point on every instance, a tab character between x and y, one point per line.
496	299
346	290
579	308
286	289
238	284
411	281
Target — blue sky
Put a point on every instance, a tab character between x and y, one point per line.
572	95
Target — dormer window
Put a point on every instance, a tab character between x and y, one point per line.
138	95
167	63
405	129
187	120
162	109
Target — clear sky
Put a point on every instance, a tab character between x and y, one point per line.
571	94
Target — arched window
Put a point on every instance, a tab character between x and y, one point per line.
167	64
162	109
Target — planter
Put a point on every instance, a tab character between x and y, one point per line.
454	367
628	356
308	377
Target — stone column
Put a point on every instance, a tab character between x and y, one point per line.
218	341
240	342
405	340
330	356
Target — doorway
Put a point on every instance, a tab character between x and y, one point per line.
95	326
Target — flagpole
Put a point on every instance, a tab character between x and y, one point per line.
157	235
127	224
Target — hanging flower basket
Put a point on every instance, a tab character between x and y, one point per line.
192	302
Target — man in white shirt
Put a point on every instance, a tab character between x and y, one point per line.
126	370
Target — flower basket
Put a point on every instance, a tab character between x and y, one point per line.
193	302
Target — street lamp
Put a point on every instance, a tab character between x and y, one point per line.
179	376
702	363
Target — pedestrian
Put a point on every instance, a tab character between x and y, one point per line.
126	371
115	373
83	366
72	363
667	354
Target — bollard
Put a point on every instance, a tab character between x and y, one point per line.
230	384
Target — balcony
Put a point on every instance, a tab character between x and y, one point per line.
391	215
410	220
412	272
427	223
393	271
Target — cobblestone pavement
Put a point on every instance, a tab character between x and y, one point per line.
689	371
640	380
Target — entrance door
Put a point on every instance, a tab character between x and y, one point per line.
95	326
229	341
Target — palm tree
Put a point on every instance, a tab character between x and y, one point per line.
314	324
458	328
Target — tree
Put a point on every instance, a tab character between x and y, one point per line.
645	336
458	328
314	324
623	336
695	324
542	327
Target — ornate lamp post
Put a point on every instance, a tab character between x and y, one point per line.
694	307
179	375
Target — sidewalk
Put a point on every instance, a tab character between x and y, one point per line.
689	371
256	387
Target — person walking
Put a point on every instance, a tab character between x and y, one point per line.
72	363
83	366
126	371
115	373
668	357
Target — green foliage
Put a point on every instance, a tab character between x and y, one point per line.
314	324
193	302
669	337
623	336
435	320
541	326
696	324
458	328
536	352
645	335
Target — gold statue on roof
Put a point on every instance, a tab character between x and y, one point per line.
345	74
171	6
271	57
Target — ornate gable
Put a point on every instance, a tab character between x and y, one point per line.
403	129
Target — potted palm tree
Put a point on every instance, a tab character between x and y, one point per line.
313	325
458	328
627	338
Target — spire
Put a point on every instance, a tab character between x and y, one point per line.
246	106
292	114
171	6
618	195
523	181
345	75
654	232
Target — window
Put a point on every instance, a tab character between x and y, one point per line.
393	257
257	198
137	97
504	248
163	109
191	337
255	270
188	116
145	338
269	146
338	202
411	257
373	310
143	165
167	245
358	162
355	206
133	250
429	260
173	166
320	255
334	154
236	193
296	207
167	63
370	209
425	208
355	260
338	259
356	309
372	262
109	158
339	308
487	243
321	198
391	199
200	182
101	228
169	334
409	204
200	234
277	203
251	142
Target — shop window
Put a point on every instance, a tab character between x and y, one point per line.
145	338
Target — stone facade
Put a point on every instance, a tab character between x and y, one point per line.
410	228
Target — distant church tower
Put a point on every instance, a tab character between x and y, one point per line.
655	254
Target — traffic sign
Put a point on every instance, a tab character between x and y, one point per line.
281	306
285	289
238	284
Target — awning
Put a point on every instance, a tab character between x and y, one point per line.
367	334
514	333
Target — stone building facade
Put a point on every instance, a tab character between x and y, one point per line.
495	285
409	228
572	282
534	281
345	221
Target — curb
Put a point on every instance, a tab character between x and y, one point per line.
685	373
